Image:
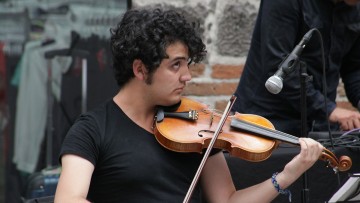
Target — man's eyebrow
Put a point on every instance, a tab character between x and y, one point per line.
179	58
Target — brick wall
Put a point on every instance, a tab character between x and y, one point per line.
226	27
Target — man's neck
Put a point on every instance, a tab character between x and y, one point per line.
136	108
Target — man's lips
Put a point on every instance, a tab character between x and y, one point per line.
180	89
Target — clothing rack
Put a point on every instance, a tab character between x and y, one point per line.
49	55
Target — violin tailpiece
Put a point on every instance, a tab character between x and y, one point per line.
187	115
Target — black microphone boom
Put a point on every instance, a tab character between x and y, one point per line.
275	83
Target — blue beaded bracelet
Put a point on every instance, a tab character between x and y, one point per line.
277	186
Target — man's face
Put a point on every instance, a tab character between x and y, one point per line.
169	80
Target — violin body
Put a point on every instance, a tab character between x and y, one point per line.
191	127
183	135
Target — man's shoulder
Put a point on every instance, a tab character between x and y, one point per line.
102	108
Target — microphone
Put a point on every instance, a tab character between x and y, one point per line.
275	83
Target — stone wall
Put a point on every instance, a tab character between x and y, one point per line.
226	27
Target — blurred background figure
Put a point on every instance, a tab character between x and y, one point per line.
279	28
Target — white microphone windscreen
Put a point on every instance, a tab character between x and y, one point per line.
274	84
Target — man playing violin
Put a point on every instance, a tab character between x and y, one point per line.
111	155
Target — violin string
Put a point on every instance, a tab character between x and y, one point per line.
327	154
258	127
265	131
214	111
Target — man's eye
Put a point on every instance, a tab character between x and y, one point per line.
177	64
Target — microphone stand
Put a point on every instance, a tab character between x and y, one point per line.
304	78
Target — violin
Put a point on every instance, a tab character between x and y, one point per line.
191	126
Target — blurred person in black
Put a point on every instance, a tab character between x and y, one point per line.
279	28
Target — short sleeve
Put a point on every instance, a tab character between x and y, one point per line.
83	139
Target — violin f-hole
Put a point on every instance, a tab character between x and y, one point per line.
206	131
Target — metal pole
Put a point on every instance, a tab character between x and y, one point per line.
304	77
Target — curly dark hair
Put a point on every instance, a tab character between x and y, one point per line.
145	34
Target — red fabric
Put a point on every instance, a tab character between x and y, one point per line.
100	56
3	101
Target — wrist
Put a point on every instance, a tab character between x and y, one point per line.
283	180
281	189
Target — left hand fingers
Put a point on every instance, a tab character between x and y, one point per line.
310	149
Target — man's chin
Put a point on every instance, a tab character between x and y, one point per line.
176	99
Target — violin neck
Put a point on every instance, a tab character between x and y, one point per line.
262	131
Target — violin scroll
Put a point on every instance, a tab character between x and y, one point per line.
344	163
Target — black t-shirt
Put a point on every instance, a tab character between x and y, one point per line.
130	165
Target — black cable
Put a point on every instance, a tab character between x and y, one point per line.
324	86
349	139
325	92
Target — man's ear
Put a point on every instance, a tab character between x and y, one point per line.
139	69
